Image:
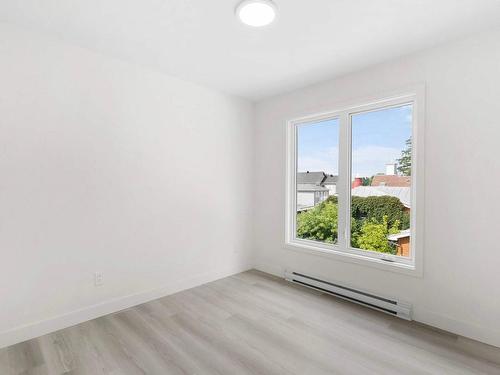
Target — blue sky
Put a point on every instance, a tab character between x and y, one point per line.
377	138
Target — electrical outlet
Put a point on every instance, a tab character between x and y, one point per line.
98	279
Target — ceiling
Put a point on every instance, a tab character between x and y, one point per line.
202	41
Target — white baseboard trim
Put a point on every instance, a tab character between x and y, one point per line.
272	270
43	327
486	335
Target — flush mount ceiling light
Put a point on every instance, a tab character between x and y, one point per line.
256	13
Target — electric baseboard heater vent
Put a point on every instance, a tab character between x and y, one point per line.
390	306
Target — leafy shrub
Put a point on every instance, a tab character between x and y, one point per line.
320	223
332	199
373	235
375	208
373	219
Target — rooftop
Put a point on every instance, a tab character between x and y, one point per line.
310	177
397	236
331	180
402	193
391	180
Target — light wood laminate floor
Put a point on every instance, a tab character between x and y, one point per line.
250	323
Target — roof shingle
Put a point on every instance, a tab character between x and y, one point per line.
391	180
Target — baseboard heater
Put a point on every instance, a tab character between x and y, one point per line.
390	306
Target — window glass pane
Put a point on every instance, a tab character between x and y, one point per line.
381	180
317	175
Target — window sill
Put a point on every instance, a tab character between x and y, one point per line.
335	252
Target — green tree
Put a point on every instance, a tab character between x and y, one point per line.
373	236
356	226
320	223
373	219
404	163
366	181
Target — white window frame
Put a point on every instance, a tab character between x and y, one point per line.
342	250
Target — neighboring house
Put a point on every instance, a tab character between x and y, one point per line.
309	195
331	184
311	189
390	178
402	241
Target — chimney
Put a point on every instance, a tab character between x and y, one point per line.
358	181
390	169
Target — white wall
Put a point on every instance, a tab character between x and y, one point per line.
460	289
105	166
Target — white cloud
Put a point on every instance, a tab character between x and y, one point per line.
326	161
367	160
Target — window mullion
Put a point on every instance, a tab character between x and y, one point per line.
344	181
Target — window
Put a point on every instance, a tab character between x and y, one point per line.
317	160
352	183
381	180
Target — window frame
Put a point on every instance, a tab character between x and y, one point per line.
343	250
